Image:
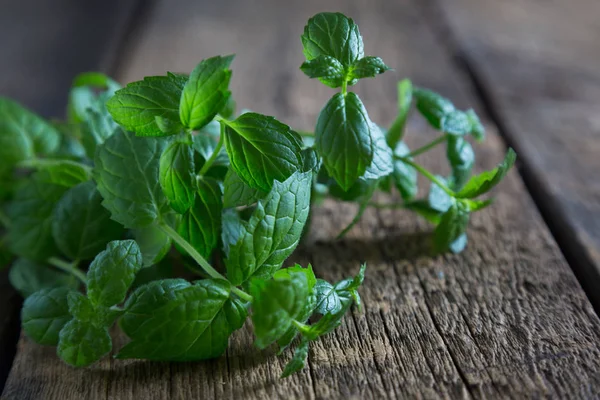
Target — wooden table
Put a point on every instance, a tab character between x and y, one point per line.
506	318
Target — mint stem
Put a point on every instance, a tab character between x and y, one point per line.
213	273
344	87
428	146
71	268
215	153
426	174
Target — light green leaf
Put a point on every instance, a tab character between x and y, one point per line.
136	106
438	199
344	138
112	272
298	361
382	163
98	125
456	123
485	181
452	225
173	320
153	242
205	143
368	67
238	193
82	343
126	171
477	129
462	158
404	176
29	277
23	135
177	175
424	209
328	300
328	69
66	173
205	93
81	227
458	244
273	231
405	95
334	35
201	224
44	314
276	303
262	150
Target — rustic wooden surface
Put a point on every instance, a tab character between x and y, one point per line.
506	318
44	45
538	64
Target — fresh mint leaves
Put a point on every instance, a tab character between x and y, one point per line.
97	210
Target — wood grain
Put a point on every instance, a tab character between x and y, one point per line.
506	318
537	62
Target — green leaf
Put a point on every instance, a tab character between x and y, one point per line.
327	323
30	212
80	307
344	138
126	171
452	225
205	93
382	163
438	199
273	231
328	69
477	129
232	228
154	244
61	172
137	106
405	95
458	244
485	181
81	227
83	96
262	150
456	123
112	272
476	205
368	67
29	277
201	224
228	111
286	273
298	361
98	124
404	176
24	135
238	193
205	143
44	314
82	343
312	162
276	303
328	300
462	158
177	175
173	320
423	208
432	106
334	35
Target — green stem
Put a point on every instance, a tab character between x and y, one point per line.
71	268
305	133
215	153
386	206
428	146
200	260
426	174
344	87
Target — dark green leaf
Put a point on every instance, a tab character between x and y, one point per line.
82	343
404	176
61	172
273	231
173	320
452	225
432	106
456	123
298	361
136	106
24	135
228	111
312	162
98	125
177	175
205	93
328	69
126	171
262	150
405	95
201	224
485	181
462	158
276	303
382	163
423	208
334	35
368	67
80	307
44	314
112	272
29	277
81	227
153	242
344	138
238	193
327	323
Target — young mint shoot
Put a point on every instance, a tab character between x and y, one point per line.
92	209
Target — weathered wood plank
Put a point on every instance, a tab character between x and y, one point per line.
44	46
538	64
505	318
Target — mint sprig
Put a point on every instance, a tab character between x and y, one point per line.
167	164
